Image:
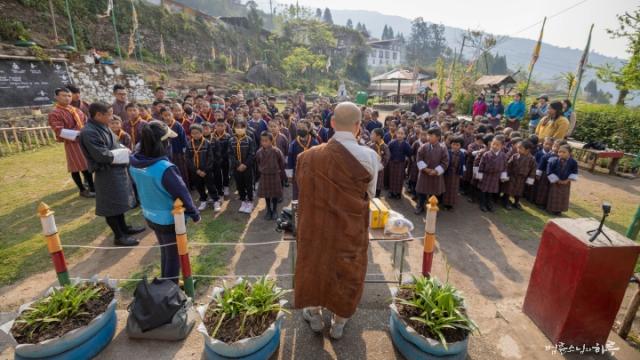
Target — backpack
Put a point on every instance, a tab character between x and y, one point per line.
285	221
155	303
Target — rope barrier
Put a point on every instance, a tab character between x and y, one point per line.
285	241
231	276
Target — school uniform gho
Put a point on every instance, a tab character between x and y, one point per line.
200	159
108	161
123	138
542	180
432	162
271	166
491	171
178	149
66	122
242	152
297	147
133	128
560	172
220	147
521	170
452	176
413	168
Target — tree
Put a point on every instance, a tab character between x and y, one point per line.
426	43
255	21
385	32
390	34
569	79
302	66
357	69
327	16
627	77
596	95
349	24
319	13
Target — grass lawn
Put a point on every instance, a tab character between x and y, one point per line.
31	177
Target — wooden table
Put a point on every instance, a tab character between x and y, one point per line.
614	155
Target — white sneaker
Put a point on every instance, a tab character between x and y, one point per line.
226	191
249	208
337	328
314	320
216	206
203	205
243	207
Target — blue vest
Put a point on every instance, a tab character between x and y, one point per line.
156	202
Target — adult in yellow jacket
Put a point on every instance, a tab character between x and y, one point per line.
553	125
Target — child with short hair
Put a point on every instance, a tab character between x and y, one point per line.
399	152
220	140
433	160
200	162
271	166
241	161
491	171
390	134
116	126
378	145
521	169
561	171
542	189
302	142
423	138
454	172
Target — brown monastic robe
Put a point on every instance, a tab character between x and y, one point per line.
333	237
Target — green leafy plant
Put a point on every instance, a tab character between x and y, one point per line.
256	303
437	307
63	304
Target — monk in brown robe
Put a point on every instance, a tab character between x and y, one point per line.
333	237
67	121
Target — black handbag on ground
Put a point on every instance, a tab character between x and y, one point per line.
285	221
156	302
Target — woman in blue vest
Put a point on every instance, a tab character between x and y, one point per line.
159	184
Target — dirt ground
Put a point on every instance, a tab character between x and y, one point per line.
487	260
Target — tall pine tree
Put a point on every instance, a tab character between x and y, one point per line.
327	16
385	32
349	24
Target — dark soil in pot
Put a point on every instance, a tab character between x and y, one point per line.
229	330
407	312
25	333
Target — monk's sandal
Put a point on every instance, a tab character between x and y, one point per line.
337	328
314	320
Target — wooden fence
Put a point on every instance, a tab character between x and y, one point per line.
18	139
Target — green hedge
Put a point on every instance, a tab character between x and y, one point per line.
616	126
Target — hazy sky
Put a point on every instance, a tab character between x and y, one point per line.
507	17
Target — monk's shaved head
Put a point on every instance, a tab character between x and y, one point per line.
346	115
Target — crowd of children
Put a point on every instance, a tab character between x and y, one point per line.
254	144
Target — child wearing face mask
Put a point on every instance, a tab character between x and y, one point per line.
242	151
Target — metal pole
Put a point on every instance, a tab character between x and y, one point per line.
73	34
53	21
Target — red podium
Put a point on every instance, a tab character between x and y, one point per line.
576	286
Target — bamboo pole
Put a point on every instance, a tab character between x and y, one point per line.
6	140
627	321
16	139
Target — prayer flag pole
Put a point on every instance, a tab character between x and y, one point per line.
583	63
115	29
183	248
534	58
429	236
73	34
53	243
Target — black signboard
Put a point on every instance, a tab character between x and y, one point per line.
30	82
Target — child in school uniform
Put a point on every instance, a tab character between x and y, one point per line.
423	138
378	145
432	162
116	126
561	171
220	140
200	159
241	162
481	147
454	172
399	153
521	169
492	170
302	142
542	188
280	141
271	166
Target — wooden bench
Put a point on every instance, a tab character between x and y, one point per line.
595	155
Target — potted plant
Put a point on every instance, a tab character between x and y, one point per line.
429	320
243	320
70	322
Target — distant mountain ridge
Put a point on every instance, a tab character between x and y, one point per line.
553	60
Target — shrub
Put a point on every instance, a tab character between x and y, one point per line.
220	63
12	30
616	126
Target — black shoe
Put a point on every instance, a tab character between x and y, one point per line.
87	194
517	206
419	210
507	205
126	241
132	230
267	216
483	208
490	208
